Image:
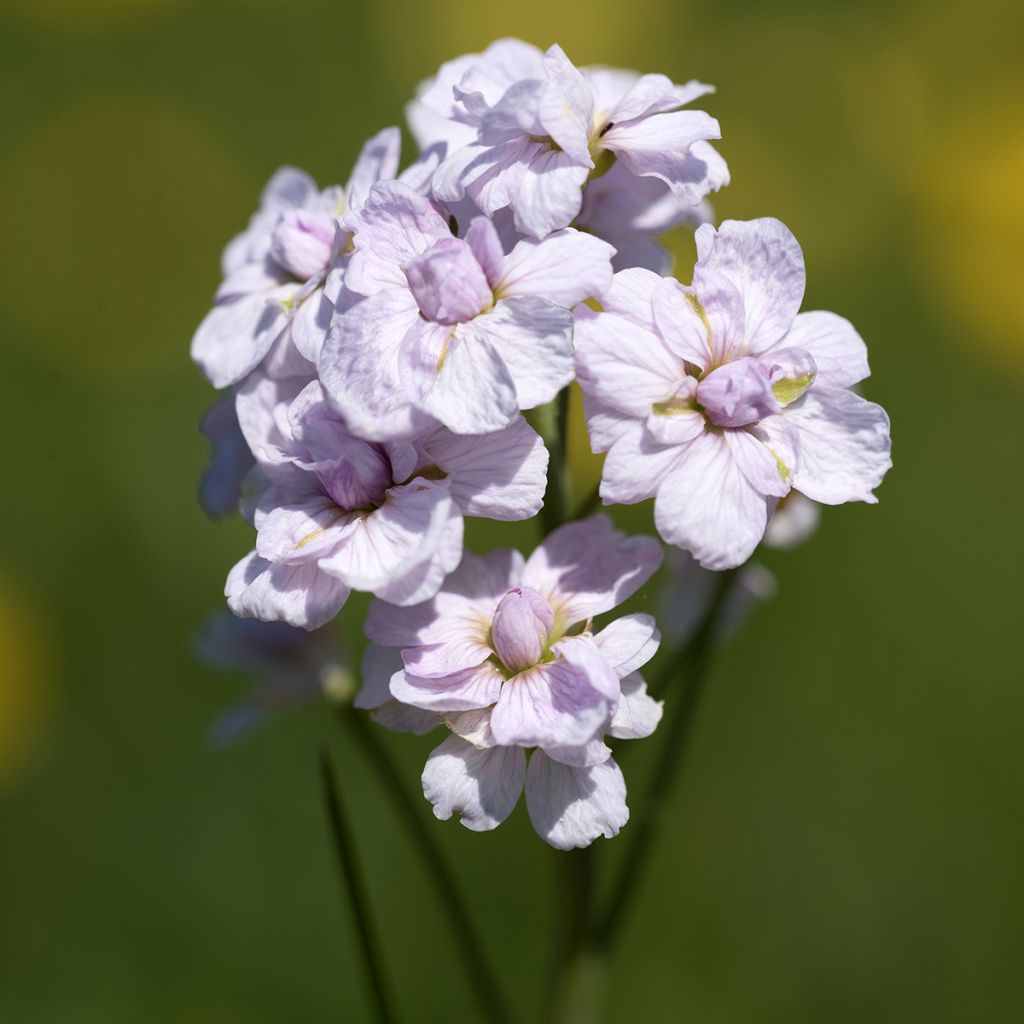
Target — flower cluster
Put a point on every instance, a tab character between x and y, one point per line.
381	343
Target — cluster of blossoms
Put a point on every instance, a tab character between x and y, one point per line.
381	343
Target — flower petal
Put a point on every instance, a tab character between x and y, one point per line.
636	465
708	507
481	786
587	567
571	807
471	688
300	595
625	366
844	445
550	193
638	713
628	643
395	225
385	544
839	352
237	333
533	338
499	476
563	703
473	391
377	161
763	260
361	364
565	268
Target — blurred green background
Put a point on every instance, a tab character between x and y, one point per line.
846	842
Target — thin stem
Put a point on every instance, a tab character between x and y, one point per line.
576	979
556	503
493	1007
696	657
352	879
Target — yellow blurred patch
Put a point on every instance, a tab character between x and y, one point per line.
25	692
107	187
971	229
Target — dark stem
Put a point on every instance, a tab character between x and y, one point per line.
574	996
481	978
695	659
556	502
352	879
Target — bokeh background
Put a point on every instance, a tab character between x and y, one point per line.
846	842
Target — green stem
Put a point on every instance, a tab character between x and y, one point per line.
696	657
352	879
492	1004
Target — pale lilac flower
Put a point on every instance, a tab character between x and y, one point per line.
542	135
632	213
340	513
454	330
506	653
220	488
268	308
720	397
289	667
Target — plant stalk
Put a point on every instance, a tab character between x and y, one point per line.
352	879
482	980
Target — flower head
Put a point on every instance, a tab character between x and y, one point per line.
338	513
506	653
453	330
270	308
719	398
544	128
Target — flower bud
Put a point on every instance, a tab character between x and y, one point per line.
521	627
737	394
448	283
302	243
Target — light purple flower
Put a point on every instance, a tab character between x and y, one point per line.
544	128
506	653
719	398
631	213
339	513
289	667
270	307
454	330
220	488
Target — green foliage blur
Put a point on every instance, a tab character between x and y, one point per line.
845	844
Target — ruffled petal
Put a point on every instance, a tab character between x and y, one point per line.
764	262
708	507
638	713
571	807
565	268
477	687
628	643
844	445
588	567
533	338
563	703
499	476
300	595
481	786
361	367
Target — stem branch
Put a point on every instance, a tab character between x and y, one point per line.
695	657
492	1005
352	879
